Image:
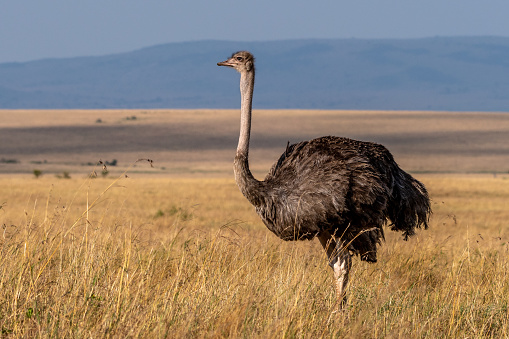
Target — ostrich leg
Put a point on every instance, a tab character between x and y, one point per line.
339	259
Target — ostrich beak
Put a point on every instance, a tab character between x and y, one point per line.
225	63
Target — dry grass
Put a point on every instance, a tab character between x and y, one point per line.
153	257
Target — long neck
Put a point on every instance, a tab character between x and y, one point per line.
249	186
246	103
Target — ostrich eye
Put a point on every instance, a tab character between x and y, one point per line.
239	58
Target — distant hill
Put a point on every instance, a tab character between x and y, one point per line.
456	74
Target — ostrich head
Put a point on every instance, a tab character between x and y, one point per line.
242	61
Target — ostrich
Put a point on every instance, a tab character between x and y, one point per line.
340	190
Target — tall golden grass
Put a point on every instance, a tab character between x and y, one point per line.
154	257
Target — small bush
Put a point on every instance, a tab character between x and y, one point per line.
159	214
178	212
8	161
111	163
64	175
37	173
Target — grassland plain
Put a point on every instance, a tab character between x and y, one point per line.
182	253
161	257
183	142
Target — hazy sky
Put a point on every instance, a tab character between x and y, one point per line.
34	29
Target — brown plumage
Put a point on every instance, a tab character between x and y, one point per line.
340	190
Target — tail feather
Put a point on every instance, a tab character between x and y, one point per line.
409	207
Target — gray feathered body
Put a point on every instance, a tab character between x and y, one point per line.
346	187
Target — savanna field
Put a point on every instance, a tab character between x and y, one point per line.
170	248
